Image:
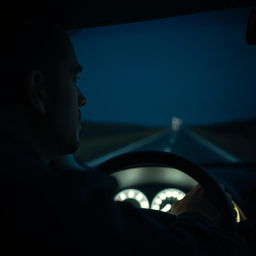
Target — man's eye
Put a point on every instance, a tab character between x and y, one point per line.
76	79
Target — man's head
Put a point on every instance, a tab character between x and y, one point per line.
39	72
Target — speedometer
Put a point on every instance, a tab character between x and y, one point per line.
134	197
164	199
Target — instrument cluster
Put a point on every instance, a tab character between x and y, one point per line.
161	201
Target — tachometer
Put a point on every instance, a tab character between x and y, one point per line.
164	199
133	196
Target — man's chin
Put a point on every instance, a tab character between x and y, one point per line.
73	146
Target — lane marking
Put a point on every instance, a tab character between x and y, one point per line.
130	147
212	147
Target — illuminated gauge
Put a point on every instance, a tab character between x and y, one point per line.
164	199
134	197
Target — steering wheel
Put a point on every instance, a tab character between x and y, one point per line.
164	159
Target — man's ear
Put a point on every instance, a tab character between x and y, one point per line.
36	91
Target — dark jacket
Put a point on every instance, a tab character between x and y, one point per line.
73	213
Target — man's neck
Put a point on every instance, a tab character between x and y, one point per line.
19	127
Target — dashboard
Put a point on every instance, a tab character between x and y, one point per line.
162	201
157	188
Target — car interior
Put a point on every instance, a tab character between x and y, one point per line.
171	102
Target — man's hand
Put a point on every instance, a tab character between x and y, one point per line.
197	201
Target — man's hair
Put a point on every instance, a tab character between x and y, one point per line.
28	42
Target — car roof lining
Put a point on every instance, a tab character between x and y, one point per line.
80	15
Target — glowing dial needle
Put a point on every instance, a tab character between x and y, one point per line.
166	208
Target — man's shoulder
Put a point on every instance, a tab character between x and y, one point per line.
89	178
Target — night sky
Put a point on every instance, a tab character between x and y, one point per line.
196	67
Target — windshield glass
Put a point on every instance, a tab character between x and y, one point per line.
183	84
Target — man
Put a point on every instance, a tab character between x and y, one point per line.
71	212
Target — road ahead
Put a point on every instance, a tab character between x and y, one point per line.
183	142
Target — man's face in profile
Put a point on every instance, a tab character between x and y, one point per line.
65	100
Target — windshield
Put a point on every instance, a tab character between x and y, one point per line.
181	84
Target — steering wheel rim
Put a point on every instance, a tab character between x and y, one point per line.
166	159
